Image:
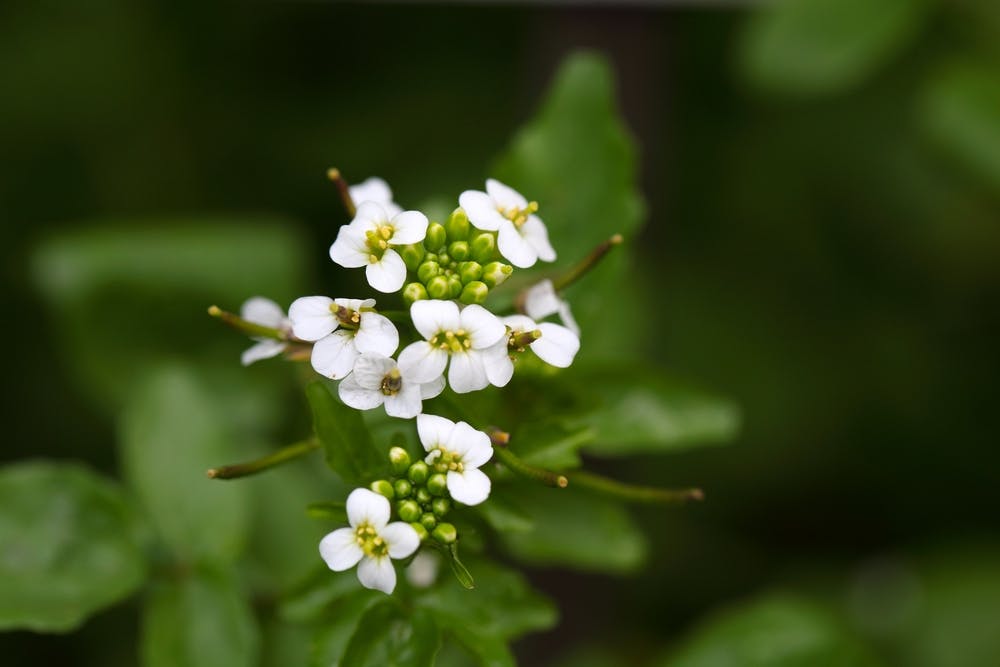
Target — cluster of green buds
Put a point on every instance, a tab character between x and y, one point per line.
454	261
419	495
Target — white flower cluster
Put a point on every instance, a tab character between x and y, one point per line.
463	346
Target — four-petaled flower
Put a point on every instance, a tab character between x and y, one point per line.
521	235
457	450
377	380
342	329
369	240
376	190
468	337
370	542
265	312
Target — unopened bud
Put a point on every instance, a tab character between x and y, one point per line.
412	255
474	292
457	225
418	472
428	520
400	460
469	271
445	533
421	531
454	286
436	237
483	247
428	270
409	511
459	250
403	488
423	496
495	273
414	292
438	288
383	488
437	484
440	506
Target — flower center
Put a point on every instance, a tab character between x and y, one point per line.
349	319
518	216
452	341
391	383
377	241
443	460
369	541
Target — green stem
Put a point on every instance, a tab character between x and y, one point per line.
249	328
586	264
546	477
345	193
283	455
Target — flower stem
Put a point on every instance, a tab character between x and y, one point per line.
511	460
283	455
586	264
249	328
345	194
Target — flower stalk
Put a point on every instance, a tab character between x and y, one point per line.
587	264
250	328
272	460
345	193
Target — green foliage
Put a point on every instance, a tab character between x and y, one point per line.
816	47
347	442
70	546
386	636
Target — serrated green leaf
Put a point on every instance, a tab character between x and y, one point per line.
69	546
387	636
201	619
347	443
814	47
171	432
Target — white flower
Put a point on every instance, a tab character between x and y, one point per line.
463	336
556	346
377	380
541	300
342	329
371	541
376	190
457	450
368	241
521	235
264	312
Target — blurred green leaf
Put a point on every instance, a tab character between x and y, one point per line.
502	516
69	546
349	449
551	444
172	431
573	529
960	112
774	631
816	47
339	625
201	619
387	636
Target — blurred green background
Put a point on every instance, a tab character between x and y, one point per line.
822	182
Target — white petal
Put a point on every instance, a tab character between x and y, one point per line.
358	397
505	196
265	349
371	369
481	209
406	403
422	362
470	487
467	372
498	364
512	245
334	356
432	315
557	346
262	311
541	300
388	274
410	226
432	388
367	507
340	549
473	446
312	318
423	571
376	334
368	216
372	189
350	249
433	430
537	236
401	539
355	304
377	574
567	318
484	327
519	323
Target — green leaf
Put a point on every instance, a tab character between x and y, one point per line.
347	443
172	431
775	631
573	529
551	443
461	572
339	625
960	112
69	546
816	47
201	619
386	636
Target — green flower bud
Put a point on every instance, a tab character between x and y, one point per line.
495	273
383	488
414	292
400	460
423	496
412	255
438	288
443	258
474	292
483	247
436	237
428	270
440	506
418	472
459	251
403	488
445	533
437	484
469	271
421	531
428	520
409	510
457	225
455	286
